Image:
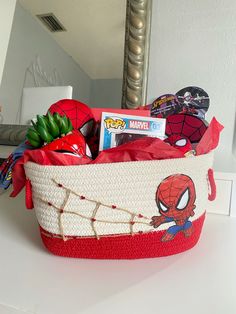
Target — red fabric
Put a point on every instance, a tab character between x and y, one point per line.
212	195
210	139
141	149
123	246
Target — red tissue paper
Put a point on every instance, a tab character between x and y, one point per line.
146	148
41	157
142	149
210	139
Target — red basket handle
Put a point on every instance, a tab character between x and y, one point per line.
28	195
212	194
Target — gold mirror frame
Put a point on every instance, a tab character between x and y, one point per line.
137	38
135	70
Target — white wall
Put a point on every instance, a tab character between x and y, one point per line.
106	93
7	8
29	39
194	43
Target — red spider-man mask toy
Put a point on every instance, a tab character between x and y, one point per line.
80	114
186	125
181	143
82	119
175	197
73	143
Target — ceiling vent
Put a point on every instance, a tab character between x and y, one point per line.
51	22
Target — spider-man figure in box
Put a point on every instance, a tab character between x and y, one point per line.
175	198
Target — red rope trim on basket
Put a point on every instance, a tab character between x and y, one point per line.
212	194
122	246
28	195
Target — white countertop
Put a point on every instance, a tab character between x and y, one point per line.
202	280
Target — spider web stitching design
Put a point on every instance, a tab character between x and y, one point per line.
63	211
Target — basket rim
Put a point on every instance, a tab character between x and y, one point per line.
31	164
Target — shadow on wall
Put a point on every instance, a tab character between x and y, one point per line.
106	93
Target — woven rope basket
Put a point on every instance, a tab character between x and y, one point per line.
106	210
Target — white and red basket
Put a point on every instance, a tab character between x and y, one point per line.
104	210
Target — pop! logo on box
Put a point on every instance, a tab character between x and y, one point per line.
114	124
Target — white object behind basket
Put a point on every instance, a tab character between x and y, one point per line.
37	100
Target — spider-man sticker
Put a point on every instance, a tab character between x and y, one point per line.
194	100
175	198
165	105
